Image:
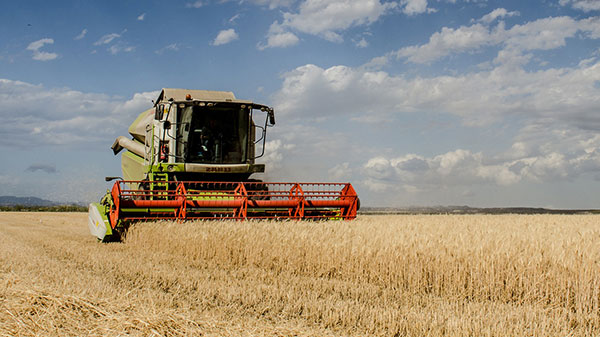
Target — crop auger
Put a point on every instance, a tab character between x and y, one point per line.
191	157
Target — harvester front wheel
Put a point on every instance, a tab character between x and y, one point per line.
116	236
144	186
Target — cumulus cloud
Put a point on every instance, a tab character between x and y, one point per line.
554	112
551	115
325	18
340	172
278	37
60	116
479	98
447	41
497	13
282	40
39	55
584	5
300	150
318	17
465	168
542	34
225	36
413	7
273	154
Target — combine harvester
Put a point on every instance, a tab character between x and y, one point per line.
191	157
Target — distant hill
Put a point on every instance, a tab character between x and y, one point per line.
7	200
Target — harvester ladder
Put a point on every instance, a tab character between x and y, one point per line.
160	182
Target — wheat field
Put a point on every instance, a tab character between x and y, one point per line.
402	275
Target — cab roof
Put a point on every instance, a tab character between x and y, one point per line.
179	95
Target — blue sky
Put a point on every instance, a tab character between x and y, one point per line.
416	102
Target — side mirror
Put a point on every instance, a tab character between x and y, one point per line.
272	117
158	112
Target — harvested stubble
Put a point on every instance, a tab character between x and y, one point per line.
476	275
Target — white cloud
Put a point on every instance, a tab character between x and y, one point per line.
120	47
272	3
195	4
325	18
340	172
584	5
447	41
171	47
117	47
497	13
463	168
362	43
234	18
318	16
273	155
81	35
36	45
141	17
106	39
41	55
555	109
300	150
479	98
286	39
44	56
62	116
542	34
225	36
278	38
413	7
379	168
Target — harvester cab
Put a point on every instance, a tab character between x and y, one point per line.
195	135
191	156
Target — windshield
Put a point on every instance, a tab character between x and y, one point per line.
212	135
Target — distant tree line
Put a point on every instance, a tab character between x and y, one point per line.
57	208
